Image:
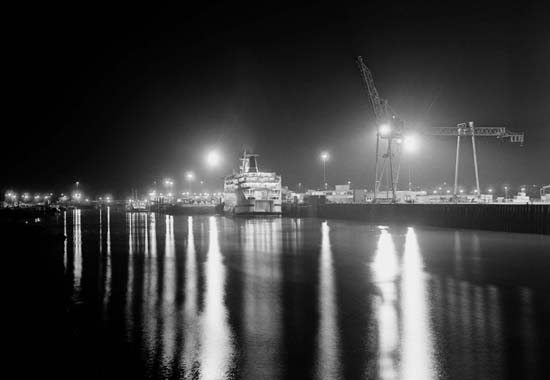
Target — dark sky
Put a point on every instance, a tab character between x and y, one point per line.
117	98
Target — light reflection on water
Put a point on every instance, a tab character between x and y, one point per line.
417	344
261	323
77	254
328	341
385	270
216	298
216	338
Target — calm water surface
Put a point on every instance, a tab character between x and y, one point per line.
219	298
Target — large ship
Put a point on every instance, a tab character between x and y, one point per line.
251	191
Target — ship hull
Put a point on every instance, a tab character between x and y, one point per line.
254	207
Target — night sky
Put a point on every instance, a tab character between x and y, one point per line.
118	98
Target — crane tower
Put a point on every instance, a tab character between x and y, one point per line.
391	129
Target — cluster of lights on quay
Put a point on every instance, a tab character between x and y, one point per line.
409	144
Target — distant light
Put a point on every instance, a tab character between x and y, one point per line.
189	176
448	191
213	159
324	156
410	143
384	129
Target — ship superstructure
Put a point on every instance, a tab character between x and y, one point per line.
251	191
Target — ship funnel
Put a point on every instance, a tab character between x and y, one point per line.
252	164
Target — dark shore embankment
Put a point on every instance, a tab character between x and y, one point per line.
508	218
36	308
39	335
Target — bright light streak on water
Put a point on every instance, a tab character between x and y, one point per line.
108	265
385	271
417	345
77	252
150	297
191	321
100	246
216	346
328	345
130	279
169	281
234	298
65	241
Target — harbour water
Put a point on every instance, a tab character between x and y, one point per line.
209	297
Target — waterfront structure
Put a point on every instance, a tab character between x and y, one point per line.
251	191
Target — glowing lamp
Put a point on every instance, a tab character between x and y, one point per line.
384	129
213	159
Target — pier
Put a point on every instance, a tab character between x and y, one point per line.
507	217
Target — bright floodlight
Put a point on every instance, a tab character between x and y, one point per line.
189	176
384	129
324	156
410	143
213	159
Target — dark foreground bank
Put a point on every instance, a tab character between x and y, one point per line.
43	335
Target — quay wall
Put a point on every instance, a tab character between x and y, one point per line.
510	218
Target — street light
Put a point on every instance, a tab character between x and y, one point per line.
189	176
213	158
384	130
506	192
410	143
324	158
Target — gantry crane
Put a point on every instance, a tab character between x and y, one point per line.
388	127
468	129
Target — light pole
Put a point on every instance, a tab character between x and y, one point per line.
506	192
189	176
169	183
324	158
